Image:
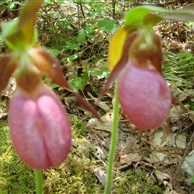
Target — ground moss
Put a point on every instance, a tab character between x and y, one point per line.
15	176
136	181
74	176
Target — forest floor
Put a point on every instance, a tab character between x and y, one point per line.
156	161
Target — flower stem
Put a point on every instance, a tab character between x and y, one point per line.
39	181
113	141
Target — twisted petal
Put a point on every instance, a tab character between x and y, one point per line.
144	96
119	65
49	65
39	128
7	67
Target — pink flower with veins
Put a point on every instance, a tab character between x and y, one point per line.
144	96
39	127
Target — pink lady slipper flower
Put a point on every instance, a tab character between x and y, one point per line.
39	127
144	96
143	93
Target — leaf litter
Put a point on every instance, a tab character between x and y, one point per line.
166	153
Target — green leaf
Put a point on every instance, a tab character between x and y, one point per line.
60	2
78	82
192	179
21	34
108	25
12	5
81	38
53	51
70	46
98	7
85	76
83	1
72	57
104	73
46	2
89	30
137	14
56	86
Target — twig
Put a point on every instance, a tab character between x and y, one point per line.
183	158
113	8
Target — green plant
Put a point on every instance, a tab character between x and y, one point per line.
74	175
178	69
136	182
192	179
26	61
10	4
79	83
82	35
10	8
79	126
140	88
12	168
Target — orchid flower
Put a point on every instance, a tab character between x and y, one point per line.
39	126
135	61
135	58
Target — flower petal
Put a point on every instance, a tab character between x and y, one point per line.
120	63
6	70
41	131
49	65
117	44
144	96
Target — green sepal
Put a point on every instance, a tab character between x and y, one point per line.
185	14
20	34
8	28
137	15
151	20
